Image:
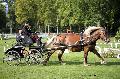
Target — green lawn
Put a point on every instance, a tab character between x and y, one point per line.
73	69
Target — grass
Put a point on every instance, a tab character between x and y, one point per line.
73	69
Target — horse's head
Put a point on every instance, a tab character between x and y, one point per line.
104	35
92	34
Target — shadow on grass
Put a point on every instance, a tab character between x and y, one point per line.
113	63
108	63
66	63
81	63
50	63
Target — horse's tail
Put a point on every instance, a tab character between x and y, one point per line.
50	40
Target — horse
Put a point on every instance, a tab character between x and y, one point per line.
72	41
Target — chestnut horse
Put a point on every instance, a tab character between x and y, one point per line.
72	41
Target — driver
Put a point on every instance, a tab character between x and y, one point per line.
26	30
26	34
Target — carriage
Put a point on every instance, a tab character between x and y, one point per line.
43	51
23	50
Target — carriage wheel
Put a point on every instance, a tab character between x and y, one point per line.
12	58
35	56
26	56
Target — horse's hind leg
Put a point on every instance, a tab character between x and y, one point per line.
47	58
102	60
60	56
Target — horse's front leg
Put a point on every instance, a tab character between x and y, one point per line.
86	50
102	60
60	53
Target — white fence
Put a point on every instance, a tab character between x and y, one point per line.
44	35
7	36
111	48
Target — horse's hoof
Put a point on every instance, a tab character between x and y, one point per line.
3	60
87	65
103	62
63	63
44	63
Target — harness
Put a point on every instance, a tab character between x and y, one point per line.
81	39
60	43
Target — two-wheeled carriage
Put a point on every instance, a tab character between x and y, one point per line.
14	54
20	51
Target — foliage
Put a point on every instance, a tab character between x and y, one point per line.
25	9
61	13
67	12
117	36
118	32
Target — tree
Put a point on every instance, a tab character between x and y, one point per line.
62	13
11	22
25	10
2	18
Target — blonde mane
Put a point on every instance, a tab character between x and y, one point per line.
91	29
